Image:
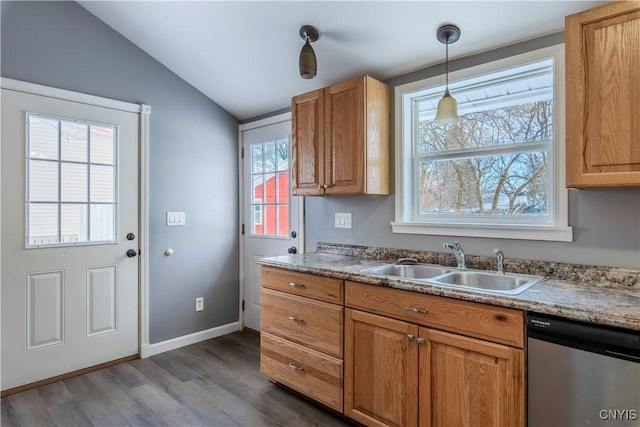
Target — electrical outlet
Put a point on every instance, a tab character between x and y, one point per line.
200	304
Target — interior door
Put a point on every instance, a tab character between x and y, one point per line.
69	236
271	213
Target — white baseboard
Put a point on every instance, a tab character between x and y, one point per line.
148	350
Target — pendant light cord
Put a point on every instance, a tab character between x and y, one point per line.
446	65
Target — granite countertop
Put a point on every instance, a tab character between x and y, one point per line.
612	304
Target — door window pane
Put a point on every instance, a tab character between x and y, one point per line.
102	145
101	183
73	142
71	196
43	181
43	224
74	182
270	192
43	138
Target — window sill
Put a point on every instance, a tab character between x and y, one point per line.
520	232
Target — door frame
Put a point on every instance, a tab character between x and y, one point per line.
143	111
279	118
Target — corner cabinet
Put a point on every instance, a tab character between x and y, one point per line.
408	364
602	93
340	139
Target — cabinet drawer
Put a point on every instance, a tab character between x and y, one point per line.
308	371
308	285
498	324
309	322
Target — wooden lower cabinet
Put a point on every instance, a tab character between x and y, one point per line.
399	374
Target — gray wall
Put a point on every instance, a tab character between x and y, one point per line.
606	223
193	154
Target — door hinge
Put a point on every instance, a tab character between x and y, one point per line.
242	153
242	305
242	228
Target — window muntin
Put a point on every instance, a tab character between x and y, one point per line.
71	194
499	167
270	188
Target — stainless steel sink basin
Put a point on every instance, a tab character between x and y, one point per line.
504	284
418	271
510	284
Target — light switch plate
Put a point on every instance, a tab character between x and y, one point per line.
343	220
176	218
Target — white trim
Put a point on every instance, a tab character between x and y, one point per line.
67	95
196	337
143	197
265	122
143	228
560	231
240	222
548	233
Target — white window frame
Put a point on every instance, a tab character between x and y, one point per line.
405	223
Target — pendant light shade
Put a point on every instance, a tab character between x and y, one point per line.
307	63
448	106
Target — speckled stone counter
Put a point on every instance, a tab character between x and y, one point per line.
606	296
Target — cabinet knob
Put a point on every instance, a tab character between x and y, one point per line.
325	186
295	319
411	337
416	310
421	341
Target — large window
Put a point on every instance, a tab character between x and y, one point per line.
498	171
71	181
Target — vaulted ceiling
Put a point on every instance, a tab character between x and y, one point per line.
244	54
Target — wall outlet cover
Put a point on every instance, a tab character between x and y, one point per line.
343	220
200	304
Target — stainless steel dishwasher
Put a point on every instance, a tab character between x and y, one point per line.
581	374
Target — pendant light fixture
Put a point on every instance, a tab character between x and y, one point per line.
448	106
307	63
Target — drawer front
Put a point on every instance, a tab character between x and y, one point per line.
307	285
498	324
315	324
308	371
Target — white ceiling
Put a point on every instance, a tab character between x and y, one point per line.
244	55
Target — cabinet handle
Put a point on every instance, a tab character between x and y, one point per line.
296	285
295	319
295	368
411	337
325	186
421	341
416	310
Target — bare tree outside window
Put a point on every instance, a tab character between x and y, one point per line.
489	183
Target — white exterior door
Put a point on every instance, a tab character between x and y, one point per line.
271	216
69	201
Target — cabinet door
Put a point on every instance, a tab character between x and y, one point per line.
381	370
465	381
345	137
603	88
307	143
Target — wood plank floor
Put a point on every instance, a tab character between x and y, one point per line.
212	383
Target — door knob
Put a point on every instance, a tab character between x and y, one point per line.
294	234
131	236
292	250
132	253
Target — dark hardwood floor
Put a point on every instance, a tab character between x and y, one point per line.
212	383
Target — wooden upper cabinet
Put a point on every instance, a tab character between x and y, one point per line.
340	139
602	94
307	136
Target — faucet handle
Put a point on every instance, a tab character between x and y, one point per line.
499	261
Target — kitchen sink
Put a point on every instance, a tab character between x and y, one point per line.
417	271
509	283
503	283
